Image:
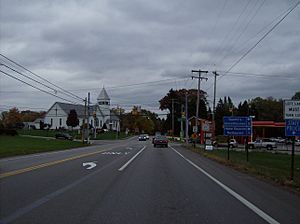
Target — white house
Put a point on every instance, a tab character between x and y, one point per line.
99	114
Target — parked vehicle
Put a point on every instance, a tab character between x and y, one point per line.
232	143
62	135
160	140
262	143
297	142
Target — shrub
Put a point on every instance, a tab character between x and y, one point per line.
6	131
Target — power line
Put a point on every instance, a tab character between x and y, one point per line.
221	49
12	61
236	40
44	91
261	39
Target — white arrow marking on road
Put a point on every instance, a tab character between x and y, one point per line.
90	165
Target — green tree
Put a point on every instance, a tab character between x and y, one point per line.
268	109
141	120
178	96
224	107
72	120
296	96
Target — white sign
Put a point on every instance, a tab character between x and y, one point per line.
292	109
208	142
208	135
195	129
209	147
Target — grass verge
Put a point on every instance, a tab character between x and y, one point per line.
270	166
18	145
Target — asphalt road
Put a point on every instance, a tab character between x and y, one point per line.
133	182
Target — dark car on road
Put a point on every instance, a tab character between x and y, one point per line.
160	140
142	138
65	136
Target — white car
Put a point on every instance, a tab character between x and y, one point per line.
297	142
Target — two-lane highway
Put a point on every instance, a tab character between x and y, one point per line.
133	182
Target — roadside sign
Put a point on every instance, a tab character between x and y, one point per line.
206	127
237	126
292	109
195	129
292	127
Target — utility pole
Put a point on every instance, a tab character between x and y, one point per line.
88	119
186	119
214	103
84	122
199	77
173	118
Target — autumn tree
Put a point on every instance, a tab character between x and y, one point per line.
72	120
12	117
141	120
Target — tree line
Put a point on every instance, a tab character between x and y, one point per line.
140	120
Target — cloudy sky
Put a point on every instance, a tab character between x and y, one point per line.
140	49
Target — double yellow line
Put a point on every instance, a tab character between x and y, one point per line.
27	169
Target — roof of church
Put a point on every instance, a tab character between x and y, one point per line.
103	95
66	107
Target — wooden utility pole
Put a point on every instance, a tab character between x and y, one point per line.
199	77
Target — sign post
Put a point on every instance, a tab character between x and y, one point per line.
292	125
237	126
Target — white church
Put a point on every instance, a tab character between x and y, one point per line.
100	114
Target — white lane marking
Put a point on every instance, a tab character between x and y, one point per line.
251	206
90	165
129	161
111	153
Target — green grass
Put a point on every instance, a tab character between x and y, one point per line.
18	145
274	166
51	133
45	133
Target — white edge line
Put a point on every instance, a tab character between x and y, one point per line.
129	161
251	206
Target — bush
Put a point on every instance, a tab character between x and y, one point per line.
5	131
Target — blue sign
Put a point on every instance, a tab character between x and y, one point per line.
237	126
292	127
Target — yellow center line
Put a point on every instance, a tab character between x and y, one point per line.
31	168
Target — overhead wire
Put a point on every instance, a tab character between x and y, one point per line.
21	66
35	87
28	77
236	40
220	49
261	39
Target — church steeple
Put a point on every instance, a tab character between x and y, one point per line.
103	98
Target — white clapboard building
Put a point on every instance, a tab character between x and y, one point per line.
100	114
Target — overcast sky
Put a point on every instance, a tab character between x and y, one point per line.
82	46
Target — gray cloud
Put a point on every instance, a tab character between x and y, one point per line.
83	45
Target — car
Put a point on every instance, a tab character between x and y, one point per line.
142	137
62	135
160	141
297	142
262	143
158	133
232	143
147	136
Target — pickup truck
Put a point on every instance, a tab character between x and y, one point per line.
232	143
262	143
